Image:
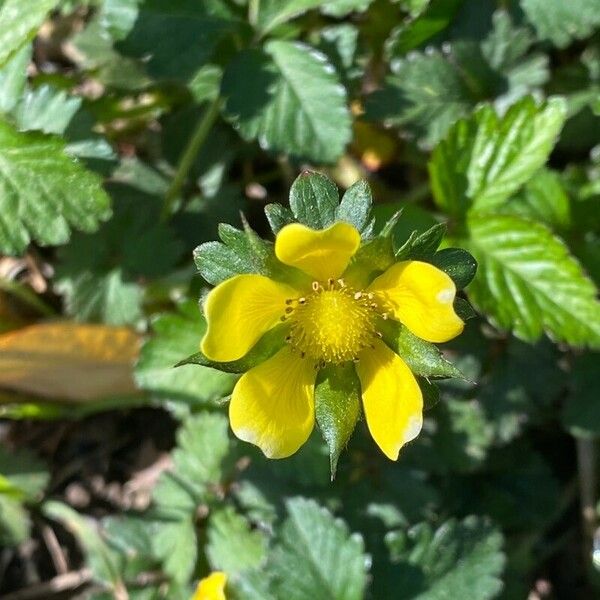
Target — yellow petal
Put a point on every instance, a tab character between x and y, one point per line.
239	311
322	254
392	399
420	296
272	405
211	587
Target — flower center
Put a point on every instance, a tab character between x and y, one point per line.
333	323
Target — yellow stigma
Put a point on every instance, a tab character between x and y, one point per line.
332	324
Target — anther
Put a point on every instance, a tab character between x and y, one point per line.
301	300
289	309
341	283
384	316
378	334
282	318
315	286
330	282
373	305
358	295
302	354
288	301
370	296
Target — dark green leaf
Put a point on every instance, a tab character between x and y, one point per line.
581	412
459	559
422	246
457	263
317	557
337	407
278	216
289	98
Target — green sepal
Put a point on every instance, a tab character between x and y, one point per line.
314	200
463	309
355	206
430	391
423	358
241	252
267	346
371	259
278	216
422	246
337	407
457	263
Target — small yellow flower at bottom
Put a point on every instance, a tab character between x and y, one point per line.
211	587
331	317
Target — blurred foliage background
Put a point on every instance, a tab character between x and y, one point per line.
129	129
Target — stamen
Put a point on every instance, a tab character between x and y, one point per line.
358	295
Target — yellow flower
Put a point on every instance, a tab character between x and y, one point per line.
211	587
332	314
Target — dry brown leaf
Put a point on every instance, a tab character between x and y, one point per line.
69	361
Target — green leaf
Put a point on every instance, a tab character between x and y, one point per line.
13	77
46	109
542	199
486	159
461	559
529	283
136	241
232	546
105	297
317	557
314	200
174	39
337	407
355	206
175	336
202	447
427	93
43	192
19	22
289	98
273	13
434	19
562	22
422	357
457	263
581	411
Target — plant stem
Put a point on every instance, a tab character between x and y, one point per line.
586	468
253	9
27	296
189	155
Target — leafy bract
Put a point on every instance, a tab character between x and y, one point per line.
288	97
44	192
19	22
317	557
337	407
486	159
176	336
529	283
